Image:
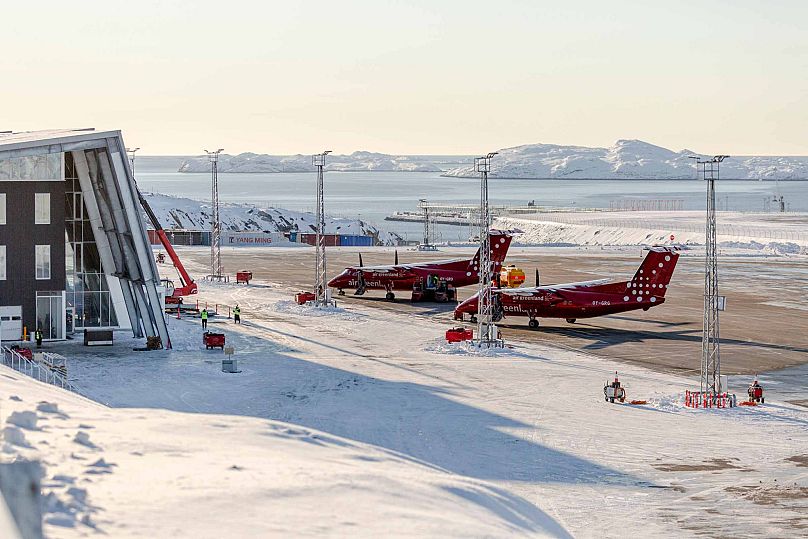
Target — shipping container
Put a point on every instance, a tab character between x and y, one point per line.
293	236
353	240
181	237
330	240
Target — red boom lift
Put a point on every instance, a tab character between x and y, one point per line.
188	285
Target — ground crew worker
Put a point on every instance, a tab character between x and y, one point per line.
237	314
204	315
38	337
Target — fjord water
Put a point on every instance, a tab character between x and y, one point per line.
372	196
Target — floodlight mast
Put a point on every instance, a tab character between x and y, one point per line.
320	282
215	225
710	381
131	152
485	307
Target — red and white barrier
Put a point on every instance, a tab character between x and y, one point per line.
708	399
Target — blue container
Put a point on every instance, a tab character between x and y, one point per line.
350	240
293	236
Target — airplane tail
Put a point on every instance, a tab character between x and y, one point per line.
656	271
500	242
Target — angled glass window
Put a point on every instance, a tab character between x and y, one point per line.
2	208
43	262
2	262
42	208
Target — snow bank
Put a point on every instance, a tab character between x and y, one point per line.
764	233
356	162
628	159
157	473
185	213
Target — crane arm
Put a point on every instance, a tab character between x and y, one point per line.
188	284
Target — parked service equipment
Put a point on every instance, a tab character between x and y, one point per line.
459	335
614	390
755	392
304	297
511	277
243	276
213	340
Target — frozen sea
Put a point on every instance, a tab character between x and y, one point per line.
372	196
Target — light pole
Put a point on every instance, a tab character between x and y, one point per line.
215	225
321	298
710	381
485	307
131	152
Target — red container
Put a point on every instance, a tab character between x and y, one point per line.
213	340
303	297
243	277
330	240
459	335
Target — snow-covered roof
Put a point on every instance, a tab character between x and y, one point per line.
17	144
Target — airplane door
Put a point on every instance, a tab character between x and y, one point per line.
11	322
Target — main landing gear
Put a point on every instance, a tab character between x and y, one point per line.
533	324
571	320
341	292
389	296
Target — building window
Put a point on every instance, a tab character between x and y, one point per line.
43	262
2	208
42	208
2	262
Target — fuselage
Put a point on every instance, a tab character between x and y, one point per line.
455	273
585	299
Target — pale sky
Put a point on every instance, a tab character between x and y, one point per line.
427	77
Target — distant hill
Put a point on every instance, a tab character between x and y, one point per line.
185	213
355	162
625	160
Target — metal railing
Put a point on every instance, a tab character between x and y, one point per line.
51	369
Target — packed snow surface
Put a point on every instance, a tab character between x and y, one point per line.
355	162
628	159
185	213
773	233
361	421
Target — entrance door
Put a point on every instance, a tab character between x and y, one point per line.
11	322
50	315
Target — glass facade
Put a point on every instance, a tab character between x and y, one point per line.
87	291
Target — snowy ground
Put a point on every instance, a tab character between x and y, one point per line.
780	233
362	421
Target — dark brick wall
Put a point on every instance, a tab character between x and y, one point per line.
20	235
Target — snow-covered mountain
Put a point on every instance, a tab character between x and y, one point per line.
628	159
184	213
355	162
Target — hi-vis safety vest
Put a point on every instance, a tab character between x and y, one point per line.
236	311
204	315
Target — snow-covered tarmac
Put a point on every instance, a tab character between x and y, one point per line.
363	422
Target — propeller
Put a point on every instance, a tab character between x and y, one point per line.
360	260
537	278
396	259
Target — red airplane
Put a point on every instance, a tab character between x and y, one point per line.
584	299
427	280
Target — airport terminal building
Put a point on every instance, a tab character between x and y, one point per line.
74	253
